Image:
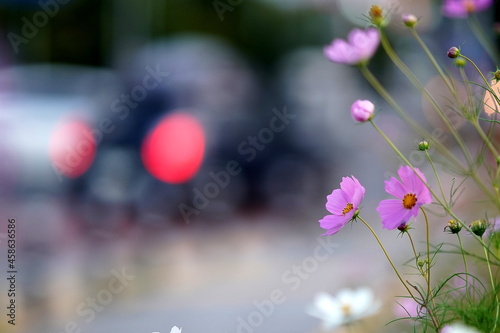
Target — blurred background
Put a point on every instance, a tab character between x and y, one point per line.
166	161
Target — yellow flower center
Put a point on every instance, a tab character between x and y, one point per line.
376	12
346	309
409	201
347	208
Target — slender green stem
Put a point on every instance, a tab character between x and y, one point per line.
387	256
485	138
465	80
438	68
409	74
483	40
465	266
445	206
407	162
436	174
429	265
424	274
494	289
495	154
417	128
408	120
488	86
428	240
413	247
475	121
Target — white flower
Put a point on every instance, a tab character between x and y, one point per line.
458	328
176	329
345	307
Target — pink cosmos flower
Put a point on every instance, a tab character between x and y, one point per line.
362	110
343	203
359	47
462	8
411	193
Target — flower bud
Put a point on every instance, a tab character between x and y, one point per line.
453	226
460	62
453	52
423	145
409	20
404	227
496	75
362	110
420	263
377	16
478	227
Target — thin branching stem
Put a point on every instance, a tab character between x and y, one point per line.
413	79
387	256
493	286
436	174
438	200
465	266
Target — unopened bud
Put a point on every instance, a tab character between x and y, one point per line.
460	62
496	75
453	52
478	227
404	227
362	110
423	145
409	20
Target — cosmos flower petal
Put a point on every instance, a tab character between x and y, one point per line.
362	301
333	223
423	194
395	188
325	303
454	9
345	307
353	189
365	41
409	178
358	196
392	213
342	203
326	308
336	202
462	8
412	193
415	184
483	4
348	185
342	52
458	328
359	47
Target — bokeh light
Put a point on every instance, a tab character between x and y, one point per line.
72	148
173	151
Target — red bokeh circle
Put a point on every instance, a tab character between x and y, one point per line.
173	151
72	148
